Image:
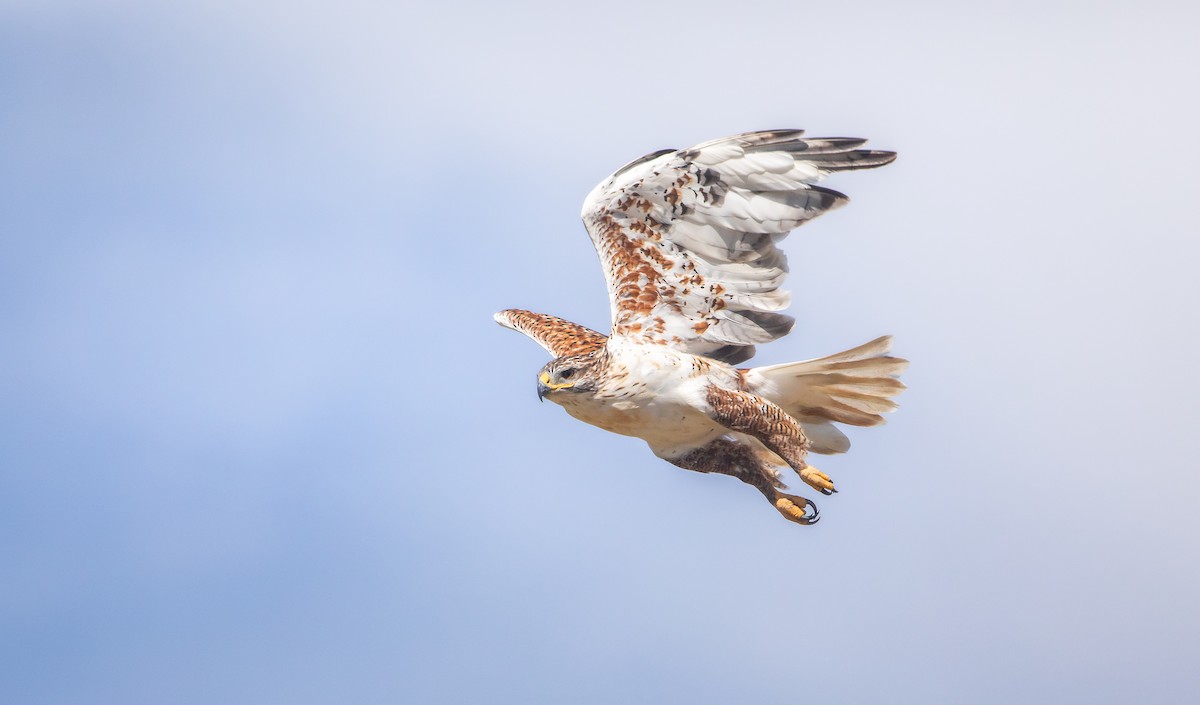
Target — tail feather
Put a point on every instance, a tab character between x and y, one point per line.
853	387
870	367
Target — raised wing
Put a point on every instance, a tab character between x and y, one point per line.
561	338
687	238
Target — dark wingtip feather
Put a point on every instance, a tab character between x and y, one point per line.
814	146
732	354
776	325
760	137
857	159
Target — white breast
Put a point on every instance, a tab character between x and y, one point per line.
653	393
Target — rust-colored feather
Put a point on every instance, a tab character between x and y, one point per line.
561	338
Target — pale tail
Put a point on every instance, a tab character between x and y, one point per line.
852	387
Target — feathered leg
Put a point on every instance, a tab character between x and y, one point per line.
761	418
739	460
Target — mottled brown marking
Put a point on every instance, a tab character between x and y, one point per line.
633	280
736	459
659	258
561	337
758	417
729	457
637	265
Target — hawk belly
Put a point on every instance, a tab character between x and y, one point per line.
658	422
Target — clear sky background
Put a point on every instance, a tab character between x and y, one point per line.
260	440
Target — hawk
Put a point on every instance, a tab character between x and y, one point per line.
688	242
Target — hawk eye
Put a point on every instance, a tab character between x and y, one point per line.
566	374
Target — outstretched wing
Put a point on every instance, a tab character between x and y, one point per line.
687	238
561	338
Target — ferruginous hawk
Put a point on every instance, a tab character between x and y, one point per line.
687	239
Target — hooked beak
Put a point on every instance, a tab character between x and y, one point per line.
545	386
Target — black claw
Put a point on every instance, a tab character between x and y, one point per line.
811	513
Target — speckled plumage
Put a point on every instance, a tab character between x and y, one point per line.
688	243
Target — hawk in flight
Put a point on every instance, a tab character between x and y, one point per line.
687	239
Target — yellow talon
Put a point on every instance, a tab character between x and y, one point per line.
795	508
817	480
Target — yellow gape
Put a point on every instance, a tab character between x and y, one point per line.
544	378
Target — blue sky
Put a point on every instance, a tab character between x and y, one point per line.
260	440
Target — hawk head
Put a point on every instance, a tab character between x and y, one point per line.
569	375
